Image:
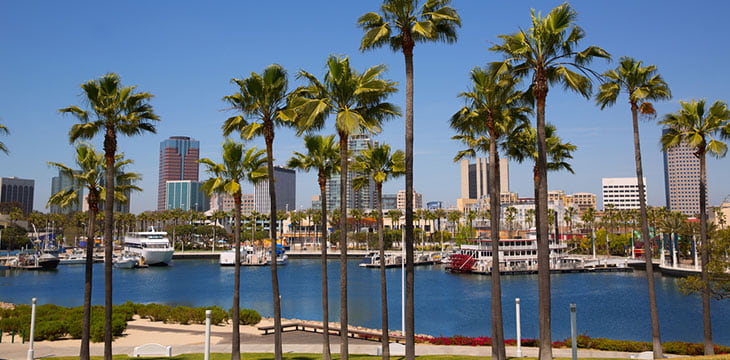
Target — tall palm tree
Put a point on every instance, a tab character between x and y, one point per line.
323	154
239	165
494	110
113	109
90	175
357	102
395	216
3	130
642	84
261	99
401	24
377	164
701	128
546	52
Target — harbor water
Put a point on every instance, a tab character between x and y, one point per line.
612	305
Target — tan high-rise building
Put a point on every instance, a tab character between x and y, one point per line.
475	178
682	179
583	201
401	200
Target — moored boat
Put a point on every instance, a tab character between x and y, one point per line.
75	258
153	247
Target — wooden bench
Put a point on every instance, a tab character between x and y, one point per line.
334	330
152	350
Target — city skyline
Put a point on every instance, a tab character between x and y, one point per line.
188	69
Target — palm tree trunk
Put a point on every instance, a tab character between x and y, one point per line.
653	311
272	227
344	343
410	278
236	336
498	350
543	236
704	241
383	282
88	275
110	147
326	352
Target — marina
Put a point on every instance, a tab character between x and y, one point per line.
611	305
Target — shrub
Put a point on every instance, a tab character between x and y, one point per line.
183	315
249	317
154	312
217	314
49	330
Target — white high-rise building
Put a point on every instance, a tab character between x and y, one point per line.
623	193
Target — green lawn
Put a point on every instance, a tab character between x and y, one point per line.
254	356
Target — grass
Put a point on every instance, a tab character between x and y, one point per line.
288	356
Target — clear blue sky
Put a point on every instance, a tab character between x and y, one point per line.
186	52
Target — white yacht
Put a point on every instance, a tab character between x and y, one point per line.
249	257
152	247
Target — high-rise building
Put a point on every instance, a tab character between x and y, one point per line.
186	195
623	193
401	200
364	198
682	179
390	202
63	183
13	189
178	161
475	178
225	202
285	186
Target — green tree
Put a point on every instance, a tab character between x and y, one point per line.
323	154
701	128
3	130
494	110
261	99
401	24
642	84
113	109
90	175
378	164
357	102
589	218
239	165
546	52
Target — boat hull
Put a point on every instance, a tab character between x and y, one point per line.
153	256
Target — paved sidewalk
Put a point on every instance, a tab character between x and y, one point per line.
294	342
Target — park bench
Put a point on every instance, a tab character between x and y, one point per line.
152	350
318	328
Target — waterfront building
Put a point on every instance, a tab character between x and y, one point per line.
63	182
475	183
14	189
623	193
583	201
363	199
507	198
401	200
433	205
179	157
682	179
186	195
285	186
523	206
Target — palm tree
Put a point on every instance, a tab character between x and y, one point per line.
113	109
261	99
401	24
377	164
3	130
642	84
395	216
568	217
700	128
547	52
91	172
494	110
239	165
357	101
323	154
589	218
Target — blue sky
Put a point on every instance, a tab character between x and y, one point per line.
185	53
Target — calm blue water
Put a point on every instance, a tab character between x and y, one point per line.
609	305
